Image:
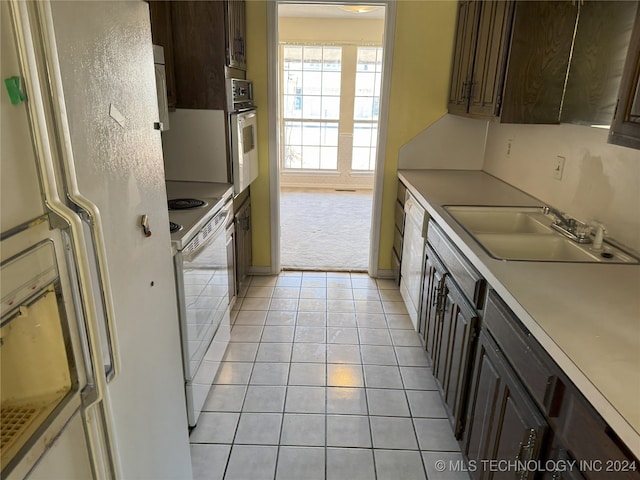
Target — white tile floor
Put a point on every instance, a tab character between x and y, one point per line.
324	378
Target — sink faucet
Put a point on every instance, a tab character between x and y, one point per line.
567	226
559	216
599	234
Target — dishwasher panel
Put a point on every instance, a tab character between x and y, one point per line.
415	239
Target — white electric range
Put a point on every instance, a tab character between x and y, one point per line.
202	212
189	220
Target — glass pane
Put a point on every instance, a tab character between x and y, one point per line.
311	134
292	106
312	83
311	107
312	58
310	157
332	58
292	156
292	57
293	133
293	82
363	108
378	83
365	84
329	158
361	135
366	59
360	159
331	83
374	135
329	134
331	108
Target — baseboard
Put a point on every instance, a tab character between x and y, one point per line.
327	186
387	274
253	270
382	274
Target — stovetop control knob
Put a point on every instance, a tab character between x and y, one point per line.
144	223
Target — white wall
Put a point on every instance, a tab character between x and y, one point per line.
600	181
452	142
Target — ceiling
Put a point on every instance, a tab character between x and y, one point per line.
325	11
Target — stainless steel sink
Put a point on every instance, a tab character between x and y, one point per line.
525	234
501	219
539	247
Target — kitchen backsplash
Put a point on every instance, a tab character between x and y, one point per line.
599	181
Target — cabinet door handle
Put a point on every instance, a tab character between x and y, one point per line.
436	297
525	454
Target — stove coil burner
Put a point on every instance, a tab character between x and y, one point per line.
174	227
185	203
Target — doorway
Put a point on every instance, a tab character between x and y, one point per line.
330	66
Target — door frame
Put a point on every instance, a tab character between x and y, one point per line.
273	100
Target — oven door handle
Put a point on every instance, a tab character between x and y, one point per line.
190	256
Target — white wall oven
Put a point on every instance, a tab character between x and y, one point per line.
243	133
244	148
217	146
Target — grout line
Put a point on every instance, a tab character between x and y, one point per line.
364	388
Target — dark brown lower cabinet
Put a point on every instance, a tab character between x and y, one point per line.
599	452
431	299
503	425
243	245
559	464
458	329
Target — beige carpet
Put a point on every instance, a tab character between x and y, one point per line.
325	229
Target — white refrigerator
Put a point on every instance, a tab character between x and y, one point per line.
81	168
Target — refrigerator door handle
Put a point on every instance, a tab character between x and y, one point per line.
44	145
73	191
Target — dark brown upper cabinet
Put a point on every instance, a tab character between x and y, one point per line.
199	53
538	61
161	34
482	41
625	128
205	38
597	62
235	14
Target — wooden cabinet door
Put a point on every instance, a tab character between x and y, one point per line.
465	45
538	61
161	34
597	61
236	34
492	46
502	422
432	298
458	331
243	245
198	42
560	458
625	128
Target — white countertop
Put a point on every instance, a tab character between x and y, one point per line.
586	315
